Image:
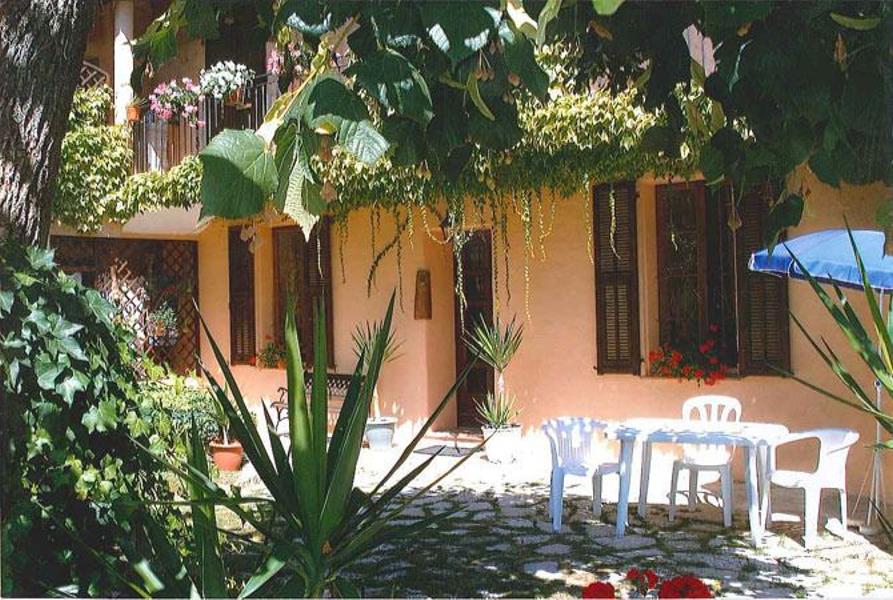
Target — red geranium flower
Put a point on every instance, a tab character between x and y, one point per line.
643	580
713	328
713	360
675	358
599	589
684	586
699	374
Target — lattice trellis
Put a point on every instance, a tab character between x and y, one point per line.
92	75
140	277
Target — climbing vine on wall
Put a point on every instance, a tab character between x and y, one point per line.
96	184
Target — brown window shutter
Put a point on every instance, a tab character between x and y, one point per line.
763	322
616	278
306	274
241	298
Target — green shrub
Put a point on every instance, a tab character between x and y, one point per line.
70	412
180	400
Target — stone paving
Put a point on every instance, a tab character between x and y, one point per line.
499	542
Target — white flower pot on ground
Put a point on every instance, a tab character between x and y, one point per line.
502	444
380	432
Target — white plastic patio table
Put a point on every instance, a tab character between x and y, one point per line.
753	438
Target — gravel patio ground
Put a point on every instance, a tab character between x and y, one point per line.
500	542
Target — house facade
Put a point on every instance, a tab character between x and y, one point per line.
603	280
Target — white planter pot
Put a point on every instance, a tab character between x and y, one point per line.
502	444
380	432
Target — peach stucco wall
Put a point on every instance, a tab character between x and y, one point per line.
554	371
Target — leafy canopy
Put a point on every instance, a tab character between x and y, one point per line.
797	83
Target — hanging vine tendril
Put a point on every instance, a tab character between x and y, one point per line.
376	260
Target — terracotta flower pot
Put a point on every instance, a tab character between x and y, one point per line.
227	457
133	113
236	98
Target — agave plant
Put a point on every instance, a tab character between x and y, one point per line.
322	523
496	345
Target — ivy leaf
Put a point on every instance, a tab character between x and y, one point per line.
47	370
76	382
239	175
40	259
395	83
606	7
520	60
101	417
101	308
459	33
6	300
856	23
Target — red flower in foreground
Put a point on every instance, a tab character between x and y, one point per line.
643	580
599	589
684	586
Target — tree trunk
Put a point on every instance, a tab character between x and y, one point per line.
42	45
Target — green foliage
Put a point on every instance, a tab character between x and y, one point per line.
90	107
364	337
96	162
498	410
796	83
270	355
96	184
494	343
873	343
70	410
179	401
322	524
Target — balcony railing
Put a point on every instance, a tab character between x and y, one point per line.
159	145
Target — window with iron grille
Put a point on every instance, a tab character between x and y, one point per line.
704	286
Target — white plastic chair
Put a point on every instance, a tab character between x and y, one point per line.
830	473
706	457
572	440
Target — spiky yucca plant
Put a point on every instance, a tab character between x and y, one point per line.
364	337
496	345
322	523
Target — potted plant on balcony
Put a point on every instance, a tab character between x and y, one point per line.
227	81
496	345
226	452
271	356
161	325
379	429
135	109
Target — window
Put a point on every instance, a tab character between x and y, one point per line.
241	298
705	289
302	270
616	278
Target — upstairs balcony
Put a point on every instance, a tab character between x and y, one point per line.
159	145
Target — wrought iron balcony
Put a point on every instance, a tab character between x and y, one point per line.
159	145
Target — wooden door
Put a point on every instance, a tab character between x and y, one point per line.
477	280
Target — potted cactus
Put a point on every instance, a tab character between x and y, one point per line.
496	345
379	429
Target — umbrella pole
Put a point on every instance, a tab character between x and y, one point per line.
877	497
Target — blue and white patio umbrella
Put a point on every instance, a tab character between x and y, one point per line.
828	256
